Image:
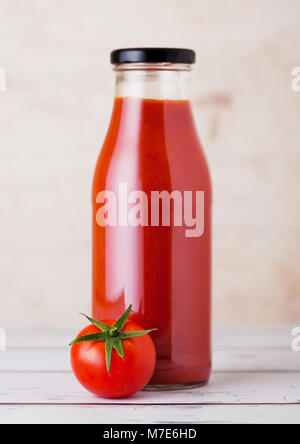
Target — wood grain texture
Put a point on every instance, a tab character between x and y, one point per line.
223	361
256	379
154	414
266	337
224	388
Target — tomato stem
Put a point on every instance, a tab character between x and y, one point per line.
113	336
114	332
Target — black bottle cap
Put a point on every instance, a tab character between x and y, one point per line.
153	55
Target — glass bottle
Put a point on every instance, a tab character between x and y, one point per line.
152	214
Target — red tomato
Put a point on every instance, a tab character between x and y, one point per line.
127	376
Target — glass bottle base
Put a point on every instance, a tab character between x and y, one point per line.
167	387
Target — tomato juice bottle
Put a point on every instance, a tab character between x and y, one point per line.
152	214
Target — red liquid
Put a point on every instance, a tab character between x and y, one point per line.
152	145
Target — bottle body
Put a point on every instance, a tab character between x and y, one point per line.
151	251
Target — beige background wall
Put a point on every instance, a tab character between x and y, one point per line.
54	115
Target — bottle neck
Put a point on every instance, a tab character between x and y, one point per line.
157	81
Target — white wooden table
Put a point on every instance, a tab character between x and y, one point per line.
256	379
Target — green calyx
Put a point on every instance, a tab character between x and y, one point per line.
113	336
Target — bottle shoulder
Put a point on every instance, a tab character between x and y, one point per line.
154	143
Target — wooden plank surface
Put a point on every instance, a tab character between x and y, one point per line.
223	361
154	414
224	388
278	337
256	379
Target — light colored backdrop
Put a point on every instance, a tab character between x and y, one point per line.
54	115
